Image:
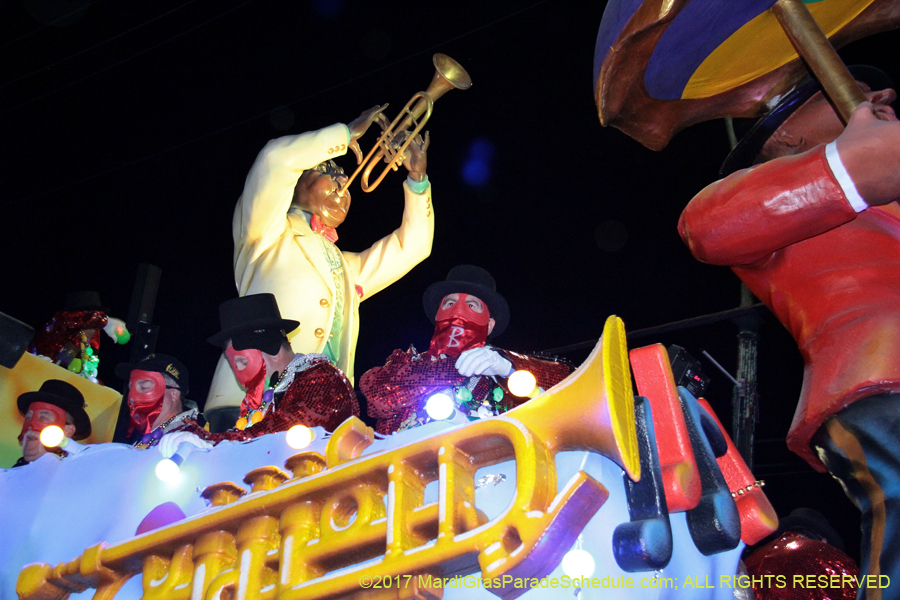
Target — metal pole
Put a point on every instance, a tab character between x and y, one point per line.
143	332
820	56
745	399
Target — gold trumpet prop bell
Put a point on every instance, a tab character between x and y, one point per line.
593	408
448	75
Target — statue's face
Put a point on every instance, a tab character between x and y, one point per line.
817	122
317	192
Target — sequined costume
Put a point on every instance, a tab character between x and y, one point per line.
276	251
396	393
313	392
773	566
63	338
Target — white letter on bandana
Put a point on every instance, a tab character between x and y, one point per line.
455	332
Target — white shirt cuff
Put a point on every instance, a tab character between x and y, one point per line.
843	178
74	447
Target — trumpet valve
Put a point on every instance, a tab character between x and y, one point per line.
305	464
219	494
265	478
348	441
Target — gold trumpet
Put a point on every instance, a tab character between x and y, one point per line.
448	74
346	518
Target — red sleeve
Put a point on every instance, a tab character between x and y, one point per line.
402	382
319	396
750	214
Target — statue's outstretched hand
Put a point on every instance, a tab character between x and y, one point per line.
415	159
869	147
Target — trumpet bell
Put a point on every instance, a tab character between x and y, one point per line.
448	75
593	408
450	70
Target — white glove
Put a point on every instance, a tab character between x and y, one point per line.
483	361
116	329
169	443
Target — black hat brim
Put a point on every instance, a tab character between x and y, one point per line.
496	303
79	416
287	325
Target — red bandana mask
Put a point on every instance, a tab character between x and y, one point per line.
145	406
252	377
35	423
459	328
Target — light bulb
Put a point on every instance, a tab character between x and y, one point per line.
52	435
168	470
299	436
521	383
578	563
440	406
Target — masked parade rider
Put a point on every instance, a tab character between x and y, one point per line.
55	403
282	388
466	310
157	398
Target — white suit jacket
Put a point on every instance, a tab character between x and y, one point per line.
275	251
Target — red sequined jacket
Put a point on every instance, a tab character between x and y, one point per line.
830	275
63	332
320	396
399	389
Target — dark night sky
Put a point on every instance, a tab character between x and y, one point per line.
128	129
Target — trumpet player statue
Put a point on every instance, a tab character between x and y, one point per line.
284	244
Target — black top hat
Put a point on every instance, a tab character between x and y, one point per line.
809	522
252	322
158	363
469	279
64	395
752	143
85	300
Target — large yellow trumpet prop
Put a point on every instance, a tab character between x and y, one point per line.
343	519
448	75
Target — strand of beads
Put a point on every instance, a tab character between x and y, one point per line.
151	439
256	415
